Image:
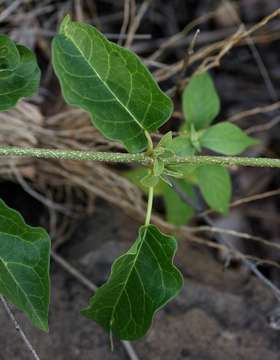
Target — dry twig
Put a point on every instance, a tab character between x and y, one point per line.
18	328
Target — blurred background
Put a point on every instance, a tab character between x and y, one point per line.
92	211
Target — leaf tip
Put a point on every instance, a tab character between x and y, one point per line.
254	141
65	22
44	327
84	313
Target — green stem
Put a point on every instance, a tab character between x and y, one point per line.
224	161
142	158
149	206
75	155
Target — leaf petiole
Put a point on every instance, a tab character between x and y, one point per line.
150	147
149	206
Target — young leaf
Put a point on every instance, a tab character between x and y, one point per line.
24	266
215	185
137	174
19	73
150	180
201	103
109	82
158	167
173	173
195	138
226	138
166	140
177	211
188	171
141	282
181	146
166	181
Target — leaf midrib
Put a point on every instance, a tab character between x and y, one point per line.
128	277
5	263
103	82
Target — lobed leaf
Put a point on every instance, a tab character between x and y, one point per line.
24	266
226	138
201	103
109	82
215	185
19	73
141	282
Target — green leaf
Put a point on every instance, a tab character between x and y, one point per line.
166	140
181	146
188	171
195	138
141	282
24	266
9	56
215	185
163	153
158	167
150	180
177	211
226	138
166	181
137	174
109	82
201	103
176	174
19	73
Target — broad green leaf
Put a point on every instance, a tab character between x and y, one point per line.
19	73
226	138
177	211
9	56
215	185
24	266
201	103
109	82
141	282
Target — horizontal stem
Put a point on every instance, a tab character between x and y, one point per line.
75	155
136	158
224	161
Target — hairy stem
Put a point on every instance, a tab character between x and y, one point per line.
224	161
142	158
149	206
75	155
